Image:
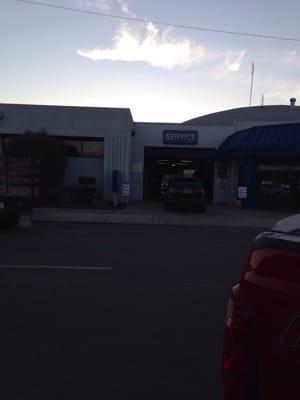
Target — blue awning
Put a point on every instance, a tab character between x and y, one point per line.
272	140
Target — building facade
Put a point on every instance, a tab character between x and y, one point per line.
99	141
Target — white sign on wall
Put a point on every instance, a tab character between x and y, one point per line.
125	190
242	192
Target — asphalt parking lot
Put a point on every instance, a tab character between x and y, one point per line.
116	311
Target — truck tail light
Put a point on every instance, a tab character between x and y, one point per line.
237	353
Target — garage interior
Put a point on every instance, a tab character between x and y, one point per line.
160	161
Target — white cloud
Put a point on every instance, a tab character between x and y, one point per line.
102	5
155	48
290	57
105	5
125	7
231	63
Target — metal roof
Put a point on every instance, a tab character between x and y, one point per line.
276	113
273	140
94	121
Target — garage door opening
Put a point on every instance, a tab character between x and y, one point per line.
161	161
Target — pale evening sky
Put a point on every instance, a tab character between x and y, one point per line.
51	56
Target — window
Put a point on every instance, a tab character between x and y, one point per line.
83	148
92	149
72	148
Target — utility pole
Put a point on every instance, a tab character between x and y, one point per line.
251	86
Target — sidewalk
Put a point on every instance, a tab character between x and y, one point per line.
153	213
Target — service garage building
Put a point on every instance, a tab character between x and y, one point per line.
163	149
228	151
97	140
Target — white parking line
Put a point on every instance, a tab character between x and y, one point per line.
55	267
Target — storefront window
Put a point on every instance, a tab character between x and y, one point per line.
92	149
278	186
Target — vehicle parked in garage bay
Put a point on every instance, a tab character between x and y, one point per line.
166	181
185	191
262	331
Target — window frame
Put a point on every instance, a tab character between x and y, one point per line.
81	139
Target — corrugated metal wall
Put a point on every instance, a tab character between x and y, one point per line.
88	167
117	151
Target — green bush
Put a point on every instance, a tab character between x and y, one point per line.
50	152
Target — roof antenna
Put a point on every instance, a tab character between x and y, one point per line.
262	100
251	86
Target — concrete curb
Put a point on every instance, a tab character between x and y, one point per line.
88	216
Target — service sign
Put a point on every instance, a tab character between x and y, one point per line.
180	137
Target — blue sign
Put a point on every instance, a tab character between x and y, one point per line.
180	137
222	171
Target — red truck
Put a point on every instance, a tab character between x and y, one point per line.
261	358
